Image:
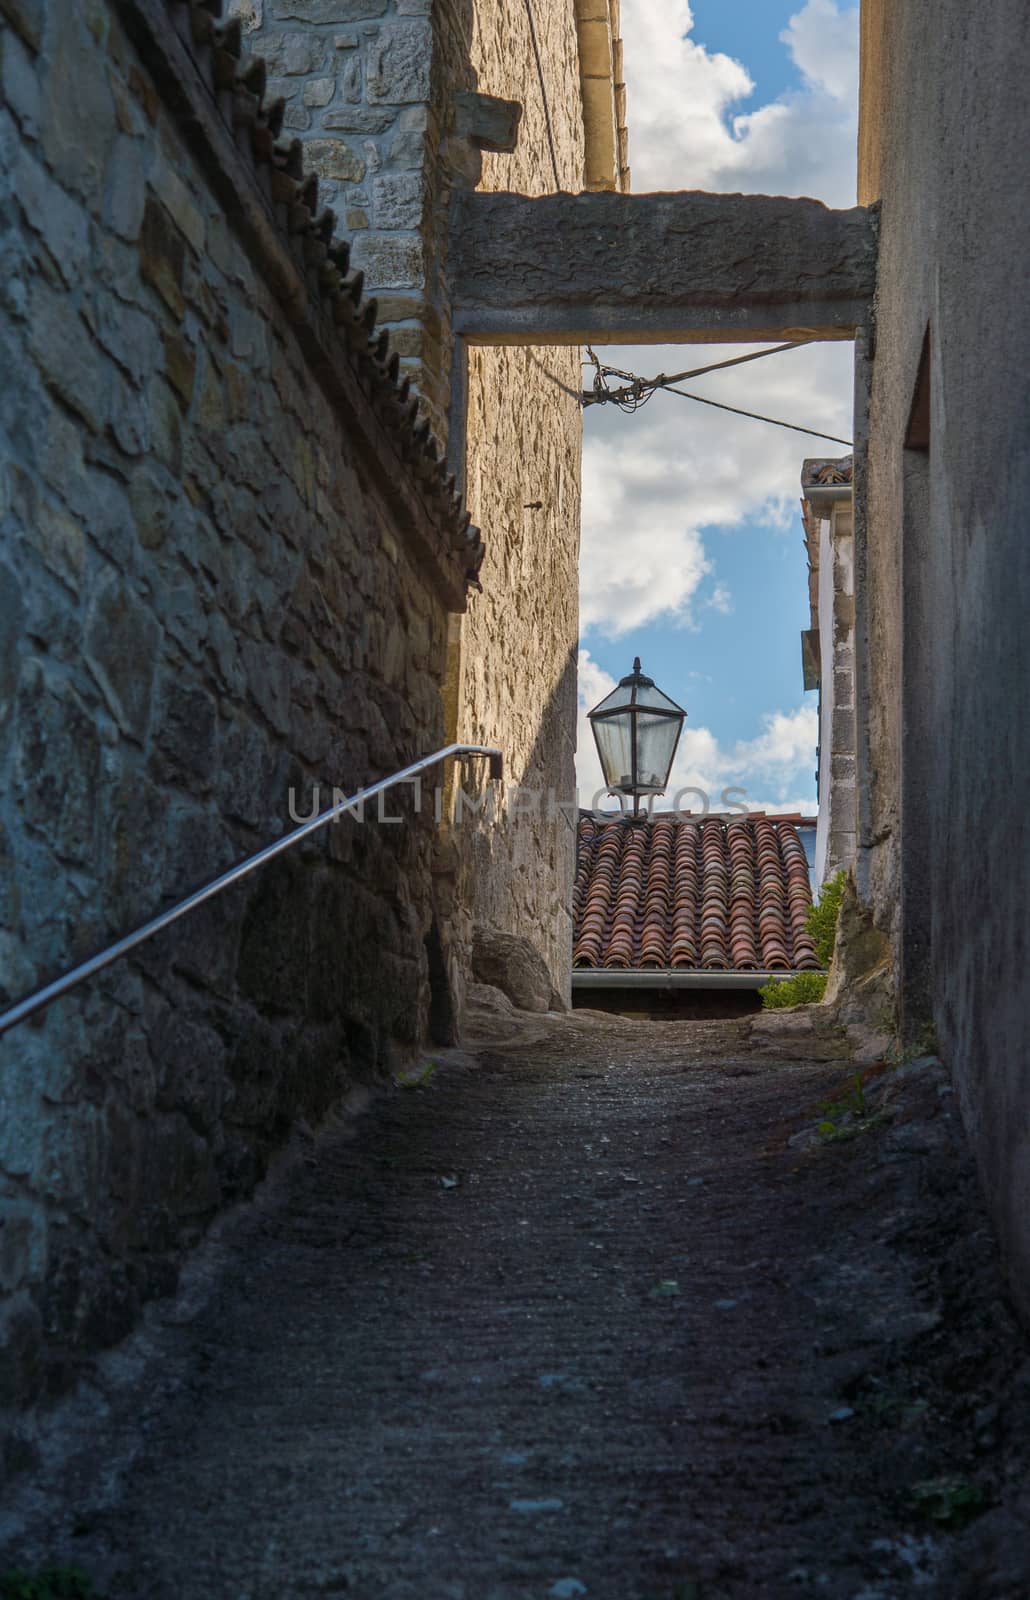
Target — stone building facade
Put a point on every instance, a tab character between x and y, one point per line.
400	104
235	567
942	571
828	653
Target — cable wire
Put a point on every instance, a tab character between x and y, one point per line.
636	386
638	391
543	92
757	417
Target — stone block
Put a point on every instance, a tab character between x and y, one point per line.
250	12
319	91
292	54
124	188
78	119
399	307
180	363
275	941
166	425
12	623
163	255
358	119
186	1177
61	222
59	540
389	261
21	1336
126	333
398	199
333	159
120	650
186	734
399	61
323	12
491	123
510	963
68	360
843	730
27	18
23	1236
190	1064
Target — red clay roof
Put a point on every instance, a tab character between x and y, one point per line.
716	894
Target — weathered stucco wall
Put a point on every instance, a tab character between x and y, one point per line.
518	677
947	561
207	594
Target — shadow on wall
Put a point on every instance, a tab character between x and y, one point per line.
507	865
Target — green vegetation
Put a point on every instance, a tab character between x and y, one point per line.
948	1501
808	988
849	1115
804	989
55	1583
418	1079
822	917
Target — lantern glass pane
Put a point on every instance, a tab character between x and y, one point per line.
618	697
656	745
613	736
653	697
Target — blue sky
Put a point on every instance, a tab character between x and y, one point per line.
692	554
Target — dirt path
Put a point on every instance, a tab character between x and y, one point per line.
576	1317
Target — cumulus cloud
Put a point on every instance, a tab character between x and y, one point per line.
653	483
684	129
771	768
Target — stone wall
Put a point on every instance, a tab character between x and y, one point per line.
829	537
214	585
374	87
946	561
357	78
518	676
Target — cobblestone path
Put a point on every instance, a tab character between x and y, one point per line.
580	1315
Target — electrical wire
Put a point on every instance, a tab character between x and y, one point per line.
636	386
543	93
757	417
638	391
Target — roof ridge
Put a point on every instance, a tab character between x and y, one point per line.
238	83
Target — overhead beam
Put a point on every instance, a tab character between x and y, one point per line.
657	268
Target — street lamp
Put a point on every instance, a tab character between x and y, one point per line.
636	730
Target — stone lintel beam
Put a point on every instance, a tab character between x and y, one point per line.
657	268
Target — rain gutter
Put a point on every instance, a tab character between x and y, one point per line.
670	978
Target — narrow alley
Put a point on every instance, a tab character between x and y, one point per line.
634	1311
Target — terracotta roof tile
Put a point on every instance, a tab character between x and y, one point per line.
713	893
817	471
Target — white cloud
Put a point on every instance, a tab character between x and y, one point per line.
653	482
683	130
770	767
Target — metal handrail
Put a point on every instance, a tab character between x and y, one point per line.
59	986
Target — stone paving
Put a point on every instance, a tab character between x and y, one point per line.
601	1311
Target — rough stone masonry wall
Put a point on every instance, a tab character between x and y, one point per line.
371	87
946	560
205	598
358	80
518	647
